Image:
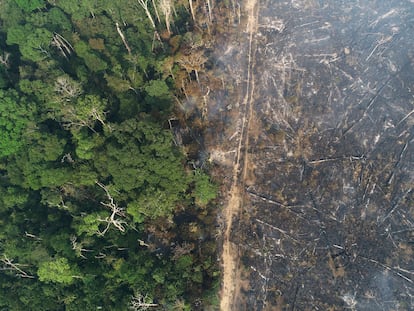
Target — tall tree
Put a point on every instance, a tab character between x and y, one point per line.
33	42
16	119
58	270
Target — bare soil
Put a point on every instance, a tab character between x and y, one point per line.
230	255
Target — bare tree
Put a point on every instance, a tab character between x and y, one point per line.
140	302
67	158
144	5
10	265
210	9
181	250
154	4
190	4
84	113
117	213
67	88
4	59
77	247
193	62
62	44
166	9
118	29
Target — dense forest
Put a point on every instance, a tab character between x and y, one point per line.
103	206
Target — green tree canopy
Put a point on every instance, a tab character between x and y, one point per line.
33	42
16	116
30	5
58	270
92	188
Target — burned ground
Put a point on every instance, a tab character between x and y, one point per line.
327	219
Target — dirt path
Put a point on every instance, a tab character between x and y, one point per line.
230	256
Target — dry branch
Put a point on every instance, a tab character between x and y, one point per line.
32	236
4	59
406	116
62	44
123	38
9	265
144	5
116	212
190	3
277	229
77	247
140	302
154	4
166	9
67	88
392	269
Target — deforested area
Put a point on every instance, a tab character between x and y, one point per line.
315	142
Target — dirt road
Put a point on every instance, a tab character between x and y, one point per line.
230	254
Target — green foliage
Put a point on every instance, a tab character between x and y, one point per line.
11	14
77	109
15	118
33	42
79	8
58	271
158	95
36	89
92	61
141	160
204	191
13	196
158	88
117	84
89	224
54	20
54	177
86	144
46	147
30	5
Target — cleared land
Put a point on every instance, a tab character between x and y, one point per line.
320	211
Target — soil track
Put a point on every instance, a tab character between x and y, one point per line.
230	255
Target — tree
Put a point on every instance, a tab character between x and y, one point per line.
58	270
11	197
86	144
204	191
33	42
117	216
158	95
140	302
89	225
16	117
54	20
80	9
30	5
85	112
67	88
166	9
193	62
143	164
92	60
144	5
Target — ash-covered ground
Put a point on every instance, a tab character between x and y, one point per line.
327	220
